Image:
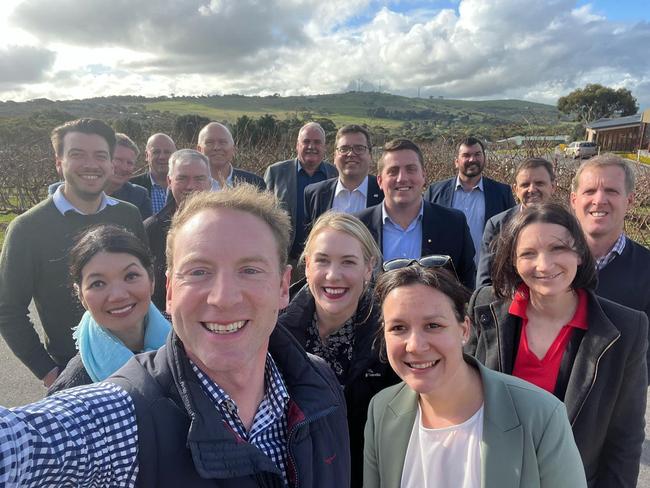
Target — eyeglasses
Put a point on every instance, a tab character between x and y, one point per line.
356	149
432	261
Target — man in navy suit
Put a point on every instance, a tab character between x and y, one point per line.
354	189
407	226
216	143
477	196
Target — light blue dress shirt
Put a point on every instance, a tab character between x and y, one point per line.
472	204
398	242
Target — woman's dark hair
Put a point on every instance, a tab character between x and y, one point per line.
106	238
437	278
505	278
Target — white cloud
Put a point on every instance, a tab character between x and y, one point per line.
483	49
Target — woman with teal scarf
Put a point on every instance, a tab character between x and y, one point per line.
112	273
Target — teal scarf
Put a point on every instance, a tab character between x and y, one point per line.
102	353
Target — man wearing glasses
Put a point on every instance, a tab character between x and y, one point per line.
407	226
354	190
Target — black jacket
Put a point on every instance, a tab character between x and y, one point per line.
602	379
319	197
157	227
367	375
240	175
183	441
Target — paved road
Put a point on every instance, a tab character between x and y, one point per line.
18	386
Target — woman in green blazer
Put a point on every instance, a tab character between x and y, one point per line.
452	422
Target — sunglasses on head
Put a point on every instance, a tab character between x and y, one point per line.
432	261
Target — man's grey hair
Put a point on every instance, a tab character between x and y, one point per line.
125	141
602	161
207	127
186	156
310	125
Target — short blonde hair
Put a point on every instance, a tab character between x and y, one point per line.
350	225
245	198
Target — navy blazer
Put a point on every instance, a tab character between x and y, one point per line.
143	180
498	196
444	231
319	197
240	175
490	233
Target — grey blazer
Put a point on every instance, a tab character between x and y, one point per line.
527	440
281	179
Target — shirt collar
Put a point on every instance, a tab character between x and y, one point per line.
274	387
216	186
319	168
522	297
63	205
153	182
362	188
386	218
479	185
616	250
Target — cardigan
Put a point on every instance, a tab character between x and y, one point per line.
602	379
527	441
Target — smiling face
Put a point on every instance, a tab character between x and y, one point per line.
336	272
401	179
116	289
424	338
545	259
353	167
470	160
600	202
533	186
85	165
187	177
225	290
310	148
123	165
217	144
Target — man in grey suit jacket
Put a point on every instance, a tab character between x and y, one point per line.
354	189
288	180
477	196
216	143
534	183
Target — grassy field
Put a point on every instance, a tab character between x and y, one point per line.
4	222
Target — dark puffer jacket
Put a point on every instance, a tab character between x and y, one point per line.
367	375
183	441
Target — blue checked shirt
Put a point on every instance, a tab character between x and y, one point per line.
87	436
616	250
158	196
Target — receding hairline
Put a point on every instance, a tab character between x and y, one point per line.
160	135
213	125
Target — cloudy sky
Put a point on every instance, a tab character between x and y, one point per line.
476	49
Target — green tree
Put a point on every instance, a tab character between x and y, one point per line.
595	101
187	127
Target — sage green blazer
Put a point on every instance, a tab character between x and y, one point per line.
527	440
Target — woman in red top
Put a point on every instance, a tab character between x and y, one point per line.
541	321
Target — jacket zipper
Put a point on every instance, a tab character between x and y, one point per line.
292	433
595	376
